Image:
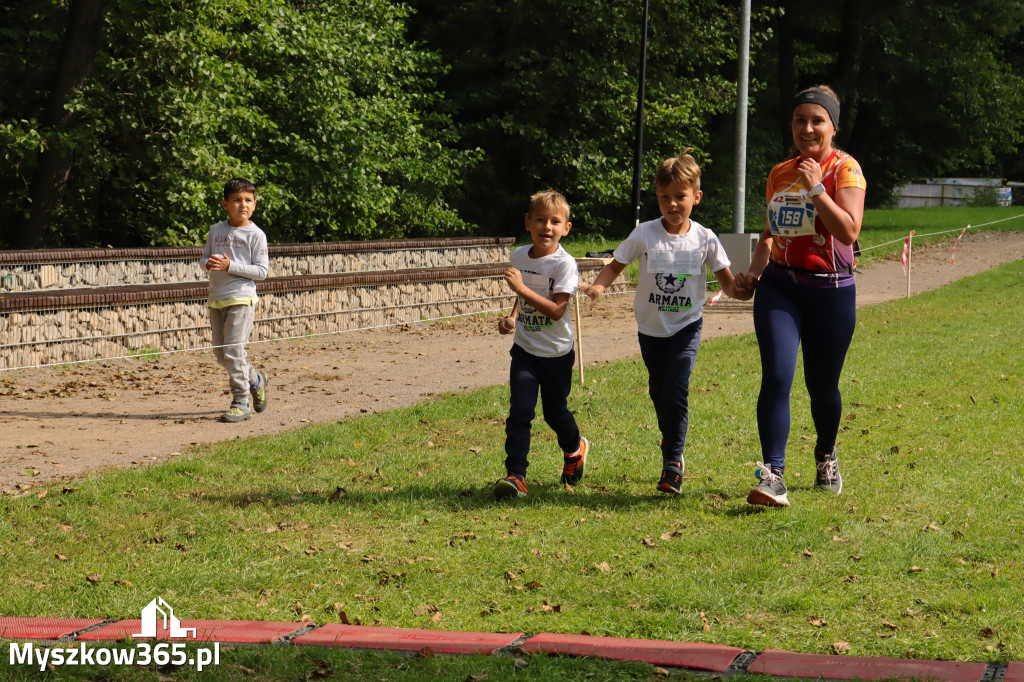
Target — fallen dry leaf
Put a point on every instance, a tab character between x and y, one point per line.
424	609
603	567
548	608
817	622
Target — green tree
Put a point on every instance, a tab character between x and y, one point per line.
548	89
927	88
326	106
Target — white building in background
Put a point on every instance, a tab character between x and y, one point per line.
952	192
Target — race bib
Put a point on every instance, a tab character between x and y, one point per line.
538	284
669	262
791	215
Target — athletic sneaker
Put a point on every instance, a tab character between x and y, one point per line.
572	468
671	480
259	392
828	478
512	485
236	413
771	491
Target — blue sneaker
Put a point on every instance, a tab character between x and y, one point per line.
236	413
259	392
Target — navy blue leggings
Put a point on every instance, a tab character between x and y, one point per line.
669	362
786	316
553	378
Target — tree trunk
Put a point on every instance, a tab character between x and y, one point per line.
847	73
77	56
786	87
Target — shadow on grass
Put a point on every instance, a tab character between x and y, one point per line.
596	497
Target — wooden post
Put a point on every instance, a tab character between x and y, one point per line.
579	337
910	258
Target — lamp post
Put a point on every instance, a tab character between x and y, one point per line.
639	149
742	81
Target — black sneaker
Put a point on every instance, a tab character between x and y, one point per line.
828	479
510	486
771	491
671	480
572	467
259	392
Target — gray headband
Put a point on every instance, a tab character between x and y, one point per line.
823	99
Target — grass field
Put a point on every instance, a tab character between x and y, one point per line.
389	519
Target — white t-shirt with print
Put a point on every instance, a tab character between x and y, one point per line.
536	333
670	293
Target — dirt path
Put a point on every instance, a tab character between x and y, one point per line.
62	423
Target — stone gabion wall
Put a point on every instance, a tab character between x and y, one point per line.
378	261
44	337
82	274
66	336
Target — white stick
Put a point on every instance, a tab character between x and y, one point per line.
579	337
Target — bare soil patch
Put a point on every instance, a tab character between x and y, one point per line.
65	422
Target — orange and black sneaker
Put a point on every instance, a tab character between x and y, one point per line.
512	485
672	478
572	468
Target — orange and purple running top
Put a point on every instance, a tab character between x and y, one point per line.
800	240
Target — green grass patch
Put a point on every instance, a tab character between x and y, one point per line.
921	556
147	353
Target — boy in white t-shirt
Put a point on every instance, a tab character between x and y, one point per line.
544	278
674	252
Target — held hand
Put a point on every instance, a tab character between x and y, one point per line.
507	325
514	279
744	286
218	262
810	171
593	292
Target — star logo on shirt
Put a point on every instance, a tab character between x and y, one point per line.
670	283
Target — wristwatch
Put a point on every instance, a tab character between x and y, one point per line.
816	190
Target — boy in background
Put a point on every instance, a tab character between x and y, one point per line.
236	257
544	277
673	251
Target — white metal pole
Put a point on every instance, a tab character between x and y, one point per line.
739	206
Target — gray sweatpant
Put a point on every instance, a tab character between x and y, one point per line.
231	328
